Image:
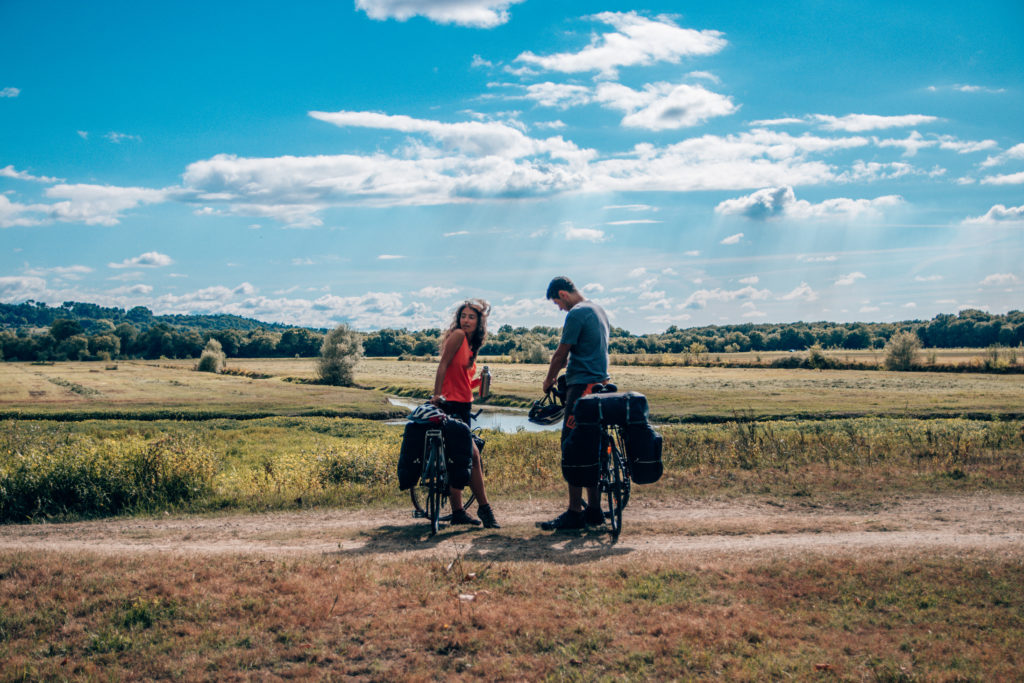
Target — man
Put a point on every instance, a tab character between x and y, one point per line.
583	347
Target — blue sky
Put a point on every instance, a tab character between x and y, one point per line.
374	161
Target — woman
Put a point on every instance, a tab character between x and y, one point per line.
453	393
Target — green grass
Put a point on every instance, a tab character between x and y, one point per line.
53	470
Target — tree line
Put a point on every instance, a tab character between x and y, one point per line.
33	331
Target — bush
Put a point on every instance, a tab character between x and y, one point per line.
48	474
339	354
901	351
212	359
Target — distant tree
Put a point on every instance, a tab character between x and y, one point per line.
901	351
212	358
108	344
299	341
63	328
75	347
339	354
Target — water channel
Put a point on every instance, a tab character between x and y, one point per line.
501	419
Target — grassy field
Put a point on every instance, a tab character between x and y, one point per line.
927	618
171	389
954	615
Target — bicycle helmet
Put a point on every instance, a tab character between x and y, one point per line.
427	413
547	410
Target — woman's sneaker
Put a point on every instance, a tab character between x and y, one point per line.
570	519
487	517
462	517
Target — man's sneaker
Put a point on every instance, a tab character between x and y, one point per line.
593	515
487	517
570	519
462	517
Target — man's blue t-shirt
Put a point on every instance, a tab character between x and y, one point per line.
586	331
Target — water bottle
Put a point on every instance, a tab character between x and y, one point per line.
485	383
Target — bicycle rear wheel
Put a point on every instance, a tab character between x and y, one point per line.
617	490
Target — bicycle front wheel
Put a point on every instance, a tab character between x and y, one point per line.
437	489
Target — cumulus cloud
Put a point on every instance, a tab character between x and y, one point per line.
151	259
1008	179
998	214
1000	279
801	292
849	279
471	13
1015	153
781	202
20	288
702	297
859	123
635	41
99	204
561	95
10	92
65	272
10	172
586	234
664	106
752	280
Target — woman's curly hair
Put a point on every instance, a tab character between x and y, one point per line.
482	309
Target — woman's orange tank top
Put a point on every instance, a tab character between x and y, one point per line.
458	380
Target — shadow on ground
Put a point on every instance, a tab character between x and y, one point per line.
562	547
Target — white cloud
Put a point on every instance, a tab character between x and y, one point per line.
471	13
10	92
869	309
1015	153
389	257
1000	279
637	221
118	138
849	279
1009	179
752	280
639	271
434	292
803	258
692	252
701	298
586	234
474	138
14	288
561	95
10	172
910	304
733	239
664	106
998	214
777	122
801	292
859	123
629	207
781	202
99	204
636	41
927	278
151	259
457	233
66	272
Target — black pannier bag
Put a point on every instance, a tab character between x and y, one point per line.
581	452
410	458
643	452
619	408
458	450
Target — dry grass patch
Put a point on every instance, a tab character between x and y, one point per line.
909	618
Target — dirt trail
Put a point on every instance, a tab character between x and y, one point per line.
692	529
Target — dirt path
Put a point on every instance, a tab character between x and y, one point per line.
692	529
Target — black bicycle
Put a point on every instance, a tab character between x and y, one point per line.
613	478
431	495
